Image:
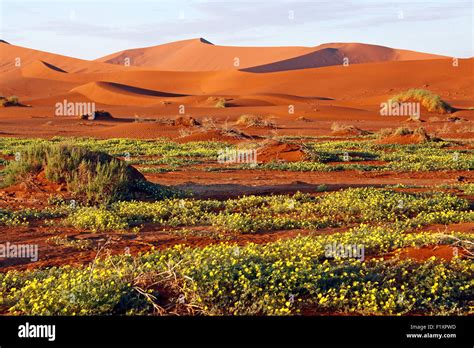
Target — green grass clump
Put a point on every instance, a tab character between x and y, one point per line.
430	101
93	177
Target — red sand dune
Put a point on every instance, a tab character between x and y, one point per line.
358	80
294	76
373	82
201	55
9	54
112	93
132	130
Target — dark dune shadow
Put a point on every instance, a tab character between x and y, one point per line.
142	91
53	67
321	58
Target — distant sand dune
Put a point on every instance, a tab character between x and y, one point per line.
15	57
40	69
266	77
200	55
118	94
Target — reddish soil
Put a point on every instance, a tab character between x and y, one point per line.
445	252
402	139
233	183
274	151
212	135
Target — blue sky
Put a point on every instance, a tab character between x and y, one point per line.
93	28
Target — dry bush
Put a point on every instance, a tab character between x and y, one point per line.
402	131
384	132
337	127
160	120
445	129
420	131
236	133
208	123
219	102
184	132
255	121
9	101
304	119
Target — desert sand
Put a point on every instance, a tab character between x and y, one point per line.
303	89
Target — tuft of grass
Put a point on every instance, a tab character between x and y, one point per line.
430	101
255	121
9	101
219	102
336	127
384	132
420	131
402	131
93	177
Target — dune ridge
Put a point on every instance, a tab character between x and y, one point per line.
201	55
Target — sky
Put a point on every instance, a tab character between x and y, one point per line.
90	29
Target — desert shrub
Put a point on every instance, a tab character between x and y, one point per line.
91	176
221	103
384	132
9	101
402	131
422	133
255	121
430	101
347	128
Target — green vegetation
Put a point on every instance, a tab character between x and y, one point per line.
159	156
278	278
429	100
251	214
92	177
79	244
